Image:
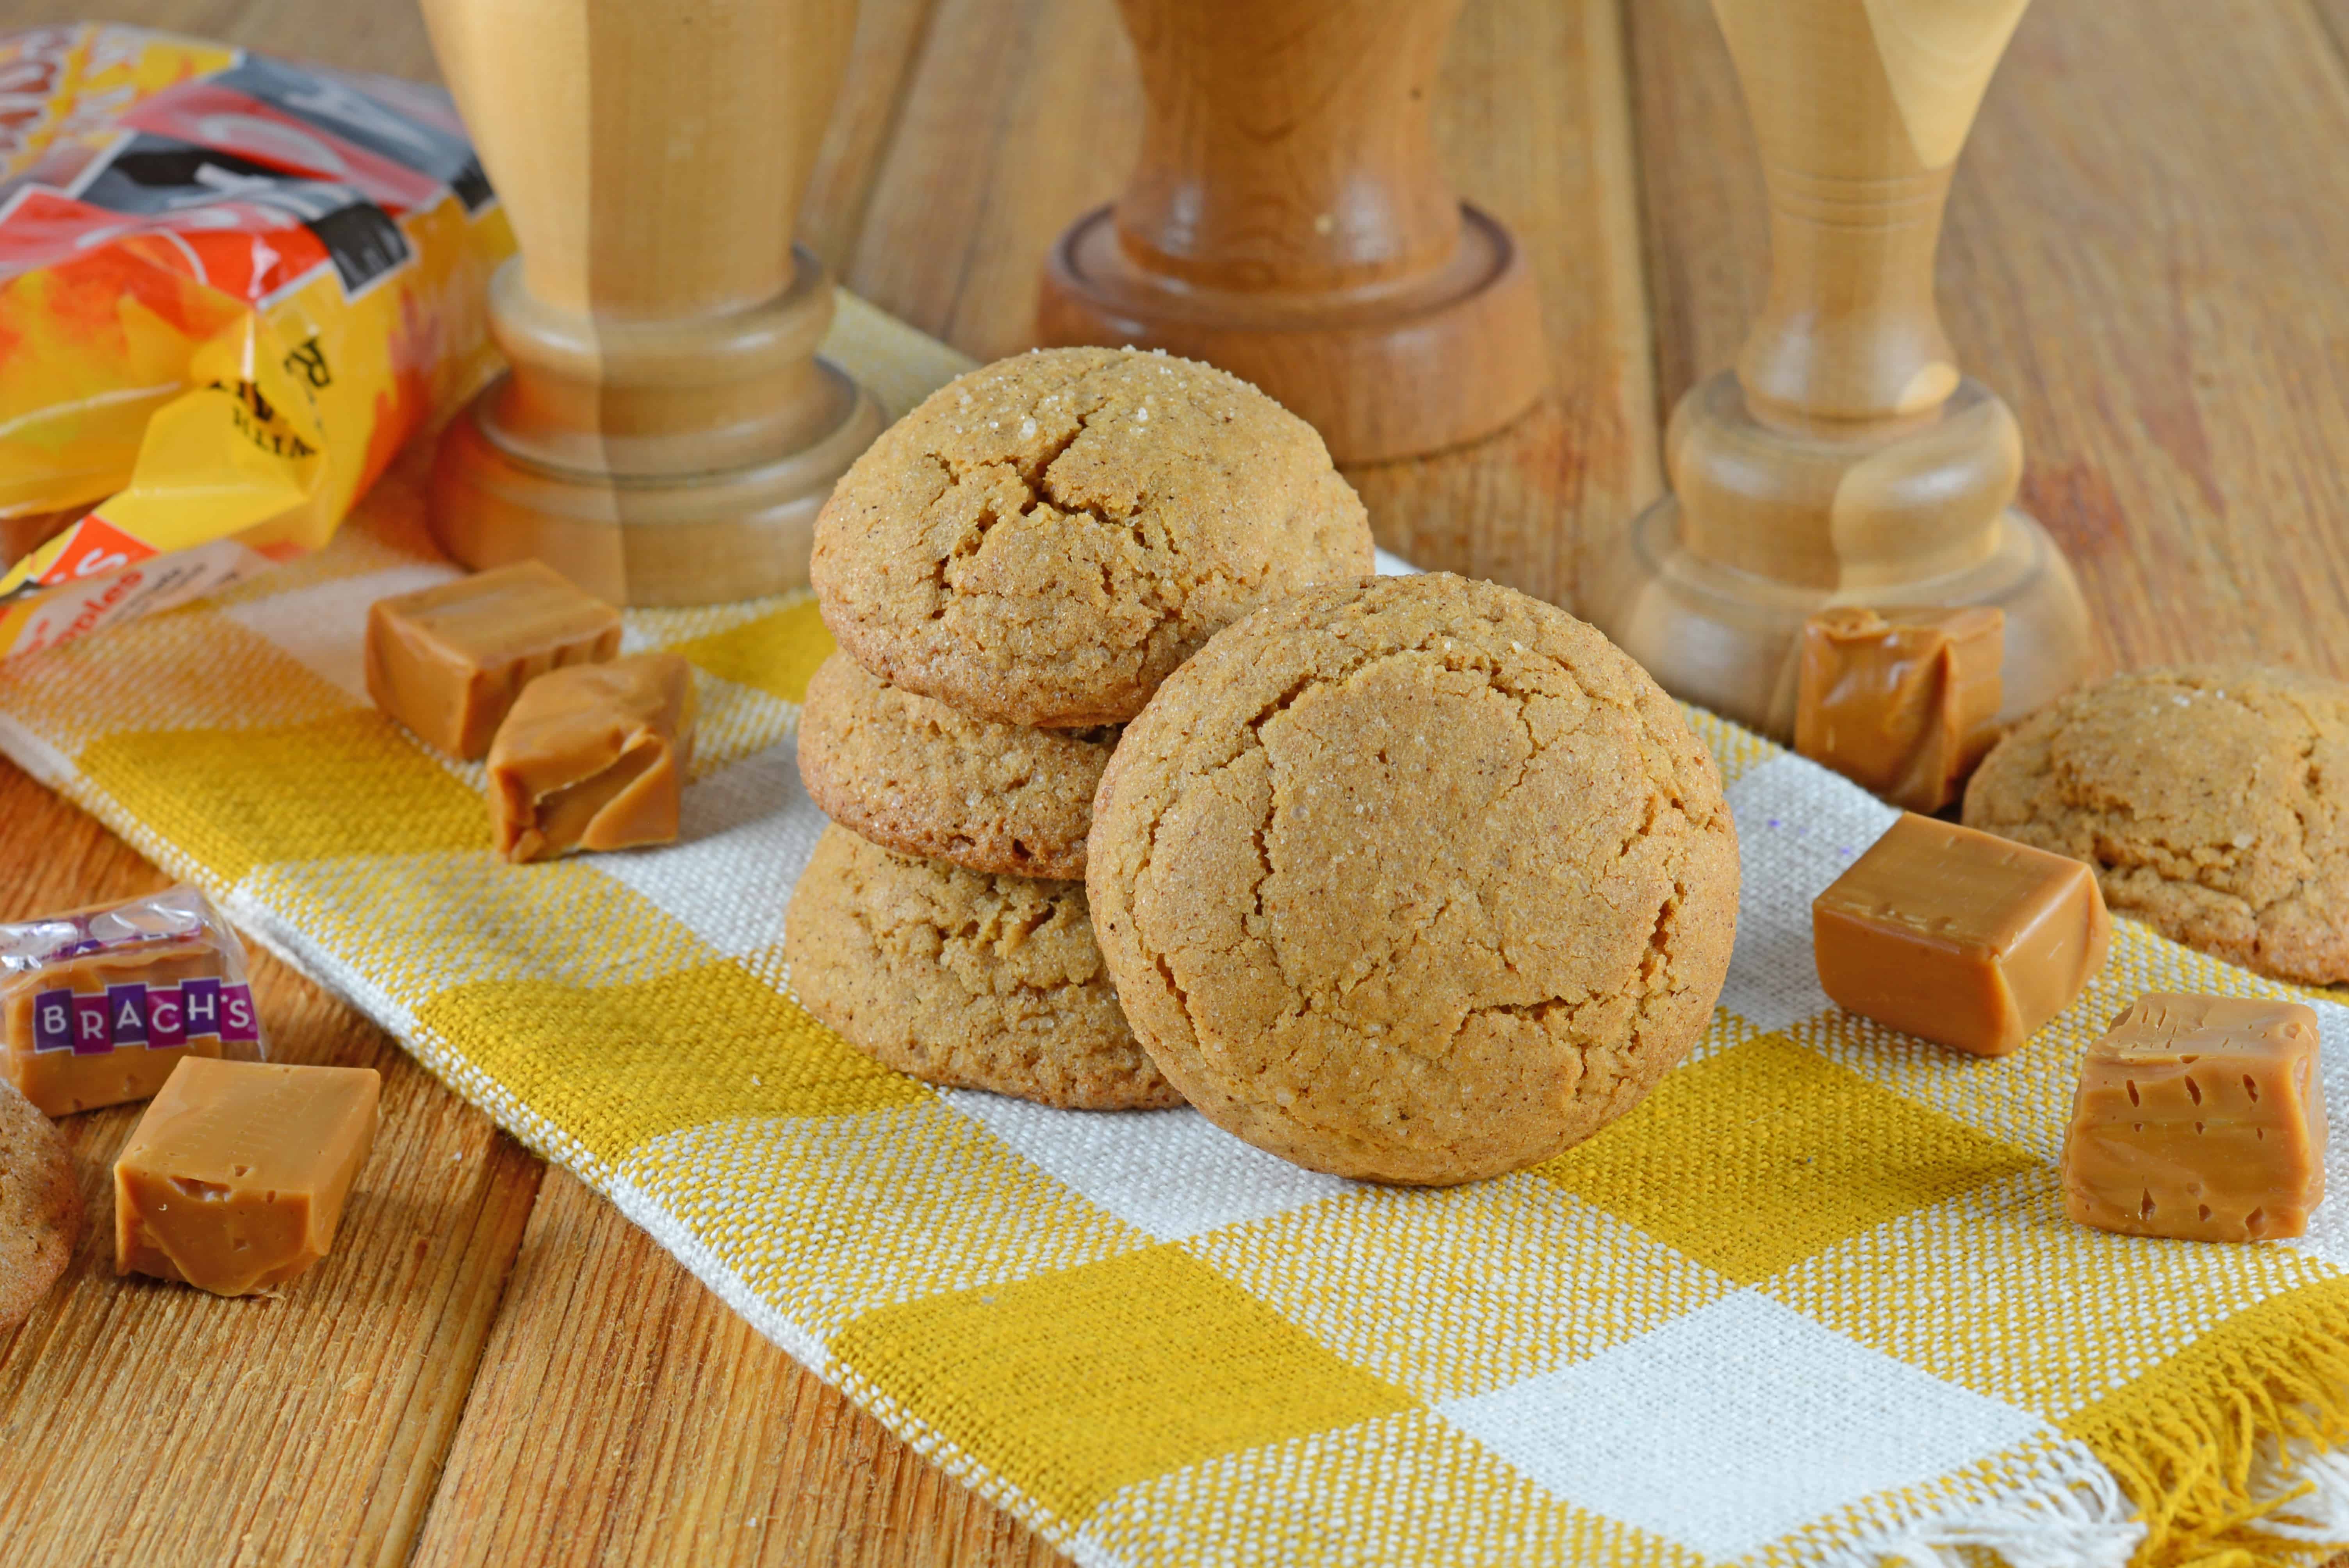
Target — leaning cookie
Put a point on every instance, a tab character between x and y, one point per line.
1418	880
40	1206
966	980
2213	803
915	776
1045	540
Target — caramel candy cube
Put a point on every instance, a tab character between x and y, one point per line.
450	660
593	757
1903	703
234	1178
1959	937
2199	1118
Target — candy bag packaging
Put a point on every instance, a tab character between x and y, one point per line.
230	288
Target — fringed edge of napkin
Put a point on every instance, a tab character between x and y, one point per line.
2236	1451
2234	1454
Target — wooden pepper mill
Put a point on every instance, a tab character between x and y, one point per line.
666	434
1287	221
1844	459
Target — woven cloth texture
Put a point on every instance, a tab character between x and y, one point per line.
1814	1300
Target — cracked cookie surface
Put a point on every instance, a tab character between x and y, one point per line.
1418	880
964	979
2213	802
40	1206
1045	539
914	775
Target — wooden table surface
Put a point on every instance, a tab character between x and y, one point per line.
2145	254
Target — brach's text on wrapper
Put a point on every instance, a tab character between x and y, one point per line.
98	1006
230	289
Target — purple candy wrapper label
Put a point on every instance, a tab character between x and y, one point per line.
167	1023
126	1011
53	1021
90	1036
240	1026
200	1000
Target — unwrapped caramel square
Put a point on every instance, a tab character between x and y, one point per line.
1903	703
235	1178
1959	937
449	661
2199	1118
593	757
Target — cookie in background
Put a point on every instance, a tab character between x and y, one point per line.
2213	803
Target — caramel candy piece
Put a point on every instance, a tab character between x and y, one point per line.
593	757
2199	1118
234	1180
1962	938
98	1004
1904	706
450	660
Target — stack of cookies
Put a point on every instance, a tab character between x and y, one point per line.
1011	571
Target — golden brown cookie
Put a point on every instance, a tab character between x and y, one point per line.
1418	880
2213	802
40	1206
1045	540
966	980
915	776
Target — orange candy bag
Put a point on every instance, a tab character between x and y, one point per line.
230	289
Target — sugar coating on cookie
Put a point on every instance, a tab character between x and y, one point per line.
964	979
40	1206
1418	880
1045	540
918	777
2213	802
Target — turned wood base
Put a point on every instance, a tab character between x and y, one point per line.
1435	361
694	539
1730	640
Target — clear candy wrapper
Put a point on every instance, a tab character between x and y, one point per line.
98	1006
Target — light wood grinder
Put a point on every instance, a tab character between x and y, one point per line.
1287	221
1844	459
666	433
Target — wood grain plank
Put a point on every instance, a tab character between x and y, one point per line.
1535	123
388	39
2335	14
890	35
625	1415
1023	116
148	1423
2142	254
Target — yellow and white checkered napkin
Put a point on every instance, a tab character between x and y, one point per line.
1815	1300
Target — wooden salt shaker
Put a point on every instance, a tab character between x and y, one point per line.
1844	459
666	433
1287	221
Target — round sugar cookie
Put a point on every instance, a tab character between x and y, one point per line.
40	1206
964	979
1418	880
2213	802
1045	540
914	775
